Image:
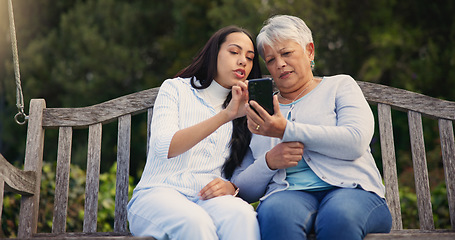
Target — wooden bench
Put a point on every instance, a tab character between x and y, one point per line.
27	181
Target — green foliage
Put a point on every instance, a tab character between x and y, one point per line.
10	215
79	53
106	201
409	214
440	205
76	199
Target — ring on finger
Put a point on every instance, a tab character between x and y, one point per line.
257	127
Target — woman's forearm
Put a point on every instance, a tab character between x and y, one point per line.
185	139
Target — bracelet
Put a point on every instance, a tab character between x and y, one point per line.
237	189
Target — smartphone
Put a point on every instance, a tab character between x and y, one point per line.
261	91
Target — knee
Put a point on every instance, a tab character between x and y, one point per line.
246	211
339	227
274	212
269	209
240	210
341	222
280	218
198	225
195	221
341	216
245	218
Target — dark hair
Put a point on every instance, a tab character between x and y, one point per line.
204	68
204	65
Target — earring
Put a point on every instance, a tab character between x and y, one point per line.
312	64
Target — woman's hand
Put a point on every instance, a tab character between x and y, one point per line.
236	107
186	138
264	123
284	155
216	188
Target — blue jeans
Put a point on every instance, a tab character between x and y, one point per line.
339	213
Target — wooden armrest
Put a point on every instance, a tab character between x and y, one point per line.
17	181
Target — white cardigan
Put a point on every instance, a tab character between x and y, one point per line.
336	125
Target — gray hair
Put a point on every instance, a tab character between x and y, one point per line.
283	27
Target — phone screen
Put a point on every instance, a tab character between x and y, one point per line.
261	91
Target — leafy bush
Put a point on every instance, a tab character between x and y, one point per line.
440	204
76	199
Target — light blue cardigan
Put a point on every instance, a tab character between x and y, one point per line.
336	125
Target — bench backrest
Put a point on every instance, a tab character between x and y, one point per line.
121	109
65	119
415	105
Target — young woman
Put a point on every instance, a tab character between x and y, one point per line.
199	136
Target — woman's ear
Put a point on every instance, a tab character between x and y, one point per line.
310	50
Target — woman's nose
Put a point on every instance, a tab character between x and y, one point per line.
242	61
280	63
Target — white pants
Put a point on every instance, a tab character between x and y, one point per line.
165	214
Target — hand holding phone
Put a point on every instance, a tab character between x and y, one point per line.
261	91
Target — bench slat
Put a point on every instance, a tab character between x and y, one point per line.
420	171
389	164
413	234
16	180
104	112
28	216
94	236
448	159
407	100
123	170
93	176
149	129
62	179
2	190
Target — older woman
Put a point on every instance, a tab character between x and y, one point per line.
310	163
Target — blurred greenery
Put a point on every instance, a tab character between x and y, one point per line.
79	53
76	198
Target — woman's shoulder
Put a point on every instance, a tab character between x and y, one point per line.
177	83
340	78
